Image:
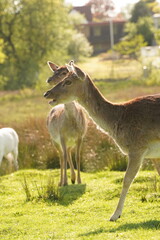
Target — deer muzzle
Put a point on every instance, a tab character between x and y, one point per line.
47	94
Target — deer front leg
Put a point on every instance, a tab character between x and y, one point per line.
157	164
15	161
134	164
78	159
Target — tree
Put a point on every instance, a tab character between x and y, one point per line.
131	47
144	27
79	47
140	10
101	8
153	5
32	31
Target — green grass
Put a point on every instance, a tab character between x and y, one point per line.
100	67
84	210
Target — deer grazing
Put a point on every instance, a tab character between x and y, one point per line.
67	125
9	145
134	125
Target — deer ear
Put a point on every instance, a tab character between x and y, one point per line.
71	68
71	62
52	66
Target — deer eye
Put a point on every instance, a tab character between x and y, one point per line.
68	82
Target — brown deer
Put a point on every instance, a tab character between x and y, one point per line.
67	125
134	125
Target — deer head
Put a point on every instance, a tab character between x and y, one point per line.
70	88
59	73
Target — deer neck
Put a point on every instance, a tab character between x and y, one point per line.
104	113
70	109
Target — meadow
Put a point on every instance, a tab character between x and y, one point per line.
82	211
78	211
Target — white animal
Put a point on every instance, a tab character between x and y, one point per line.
9	145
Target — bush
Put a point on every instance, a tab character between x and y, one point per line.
79	47
130	47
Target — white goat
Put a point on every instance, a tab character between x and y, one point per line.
9	145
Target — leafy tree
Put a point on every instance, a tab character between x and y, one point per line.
32	31
131	47
79	47
140	10
146	29
153	5
143	27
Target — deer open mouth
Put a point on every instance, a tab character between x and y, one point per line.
52	102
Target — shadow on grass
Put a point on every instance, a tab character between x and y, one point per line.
152	224
71	193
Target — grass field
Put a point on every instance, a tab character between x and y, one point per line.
83	211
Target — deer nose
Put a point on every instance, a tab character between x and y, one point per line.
46	94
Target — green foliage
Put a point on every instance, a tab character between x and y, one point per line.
144	27
32	32
79	47
153	6
141	22
2	55
152	78
130	47
140	10
157	36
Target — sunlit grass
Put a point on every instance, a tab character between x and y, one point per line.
83	212
100	67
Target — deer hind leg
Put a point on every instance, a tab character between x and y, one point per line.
73	174
134	164
65	159
61	162
78	159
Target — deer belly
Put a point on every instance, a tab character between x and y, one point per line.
153	150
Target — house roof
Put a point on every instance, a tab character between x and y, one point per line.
86	10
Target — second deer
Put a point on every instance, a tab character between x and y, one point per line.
67	125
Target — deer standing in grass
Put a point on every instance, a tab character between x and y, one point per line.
67	125
134	125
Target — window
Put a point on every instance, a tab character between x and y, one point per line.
96	31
